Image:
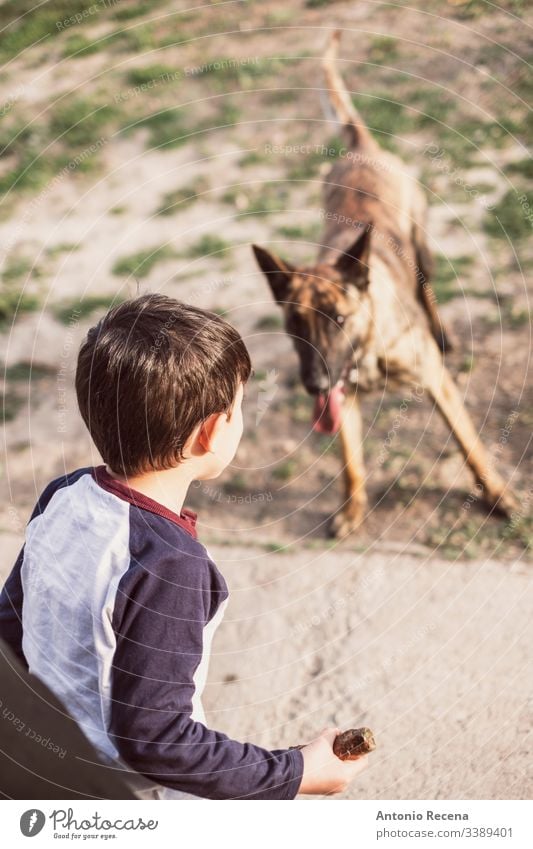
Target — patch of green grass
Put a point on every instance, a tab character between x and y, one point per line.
29	168
139	39
236	484
141	76
383	49
285	470
228	115
279	96
189	274
276	547
299	409
309	232
13	299
82	307
10	404
31	173
167	129
517	317
225	73
79	46
207	245
483	133
118	210
307	166
464	140
272	197
62	248
81	121
15	268
126	13
13	302
509	217
253	157
524	167
385	117
25	371
280	17
24	23
447	272
178	199
268	198
466	364
468	534
520	527
477	8
510	316
269	322
13	133
433	105
141	264
459	149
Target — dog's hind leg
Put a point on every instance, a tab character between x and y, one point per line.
440	384
352	512
426	295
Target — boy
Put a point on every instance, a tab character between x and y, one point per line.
113	601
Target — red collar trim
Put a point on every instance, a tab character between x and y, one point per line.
187	518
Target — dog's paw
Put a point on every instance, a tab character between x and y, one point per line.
346	521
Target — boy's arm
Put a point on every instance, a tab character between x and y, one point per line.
11	596
159	618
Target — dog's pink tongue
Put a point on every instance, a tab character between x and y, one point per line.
327	411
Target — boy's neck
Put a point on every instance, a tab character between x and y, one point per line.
168	487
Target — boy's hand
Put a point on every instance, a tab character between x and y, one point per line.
324	772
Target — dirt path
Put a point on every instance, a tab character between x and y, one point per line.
433	656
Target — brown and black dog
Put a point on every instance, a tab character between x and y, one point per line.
364	317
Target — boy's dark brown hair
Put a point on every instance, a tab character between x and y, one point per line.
149	372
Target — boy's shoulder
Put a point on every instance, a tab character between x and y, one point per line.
145	516
162	546
54	486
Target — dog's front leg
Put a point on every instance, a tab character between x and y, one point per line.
352	512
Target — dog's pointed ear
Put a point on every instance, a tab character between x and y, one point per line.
276	270
353	264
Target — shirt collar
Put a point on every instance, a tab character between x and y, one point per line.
186	519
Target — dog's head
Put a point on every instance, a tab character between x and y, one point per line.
327	312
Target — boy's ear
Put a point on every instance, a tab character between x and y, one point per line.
276	270
207	431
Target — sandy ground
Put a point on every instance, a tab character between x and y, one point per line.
433	656
418	624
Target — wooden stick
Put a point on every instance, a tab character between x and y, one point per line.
351	744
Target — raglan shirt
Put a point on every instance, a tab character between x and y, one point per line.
113	603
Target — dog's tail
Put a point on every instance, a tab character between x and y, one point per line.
340	102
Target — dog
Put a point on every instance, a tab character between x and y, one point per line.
364	316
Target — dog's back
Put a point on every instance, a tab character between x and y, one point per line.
368	184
